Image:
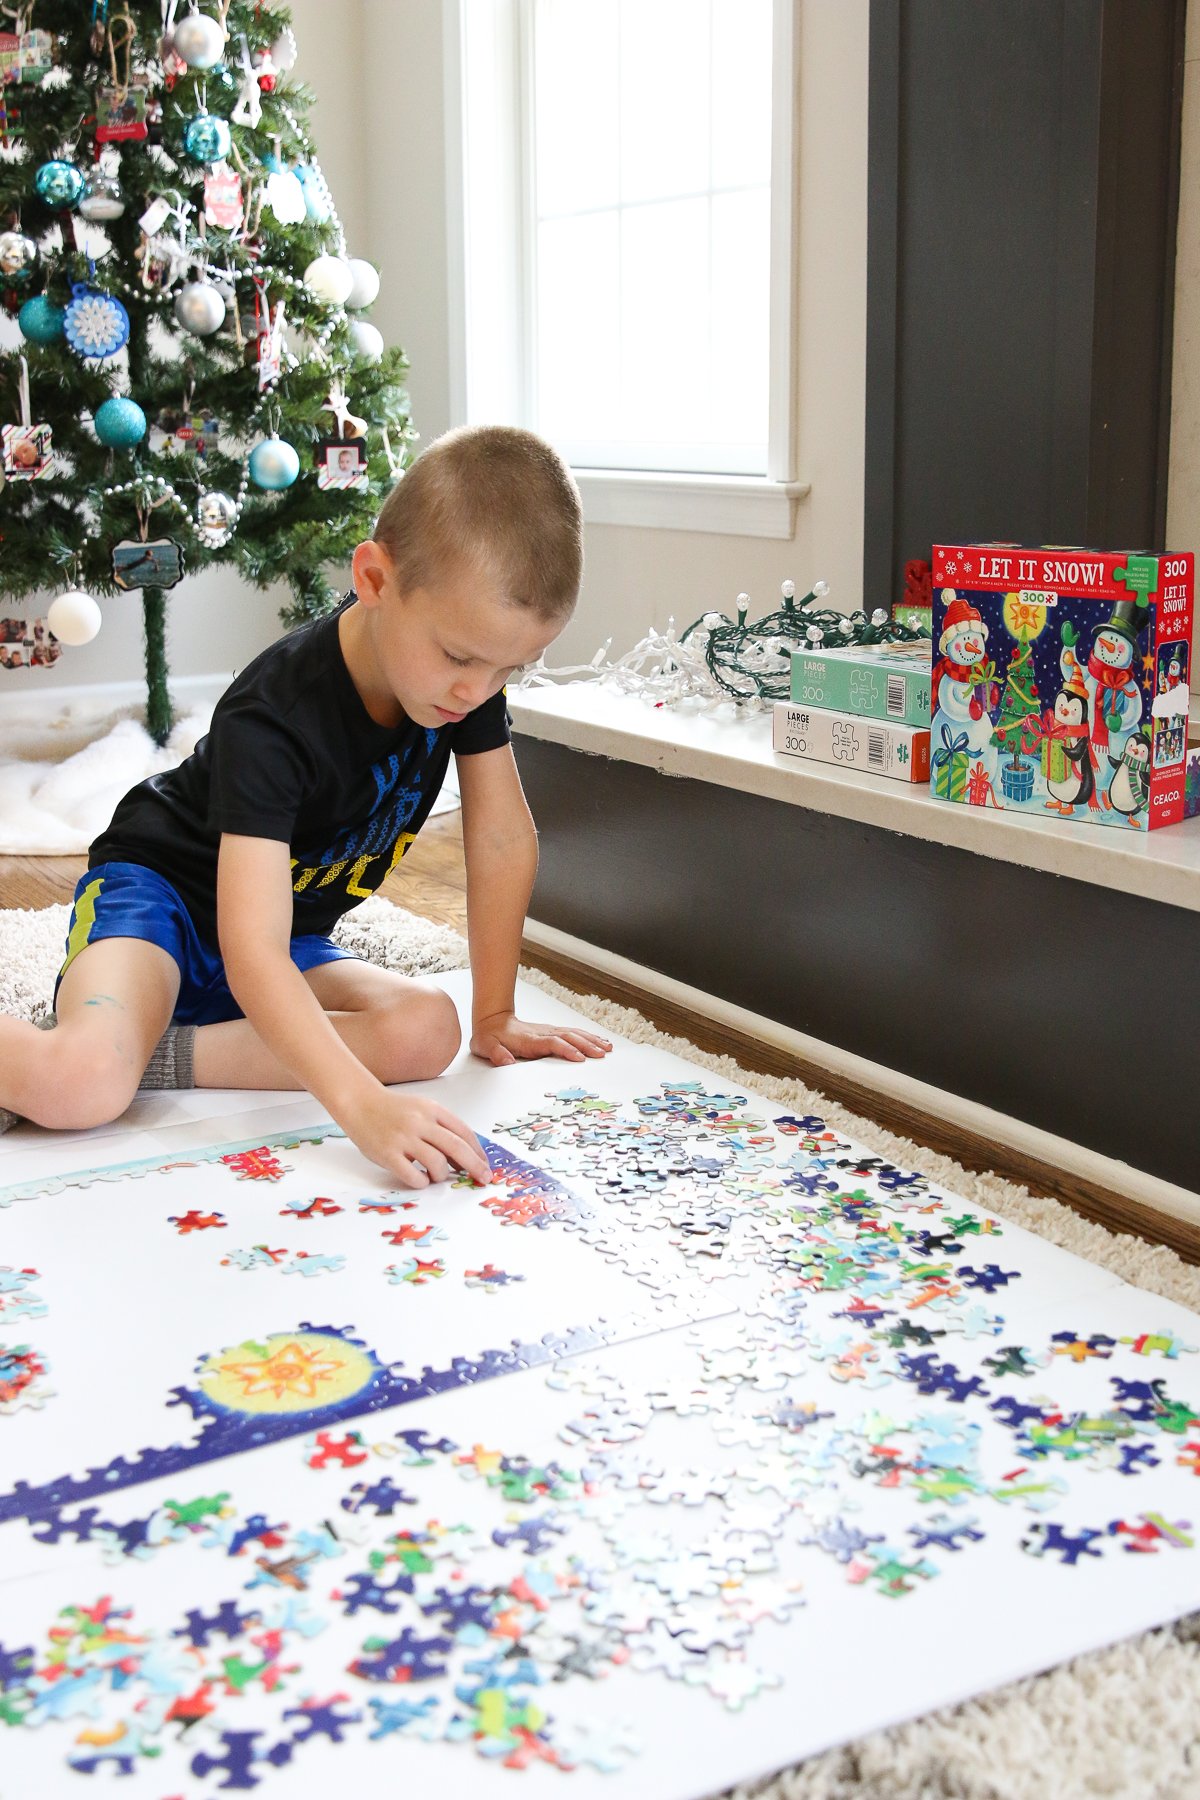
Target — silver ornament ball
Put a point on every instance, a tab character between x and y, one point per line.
200	308
215	516
102	199
199	40
18	259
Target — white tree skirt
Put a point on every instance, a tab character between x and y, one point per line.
63	772
62	775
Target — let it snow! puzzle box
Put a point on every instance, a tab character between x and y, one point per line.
1060	681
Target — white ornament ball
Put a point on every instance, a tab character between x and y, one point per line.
366	340
199	40
200	308
74	617
366	284
329	278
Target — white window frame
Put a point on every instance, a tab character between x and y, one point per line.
490	283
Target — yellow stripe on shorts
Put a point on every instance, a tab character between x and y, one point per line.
82	920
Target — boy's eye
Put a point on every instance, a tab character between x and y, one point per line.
460	662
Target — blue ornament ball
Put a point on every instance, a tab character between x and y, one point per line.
274	464
40	320
59	184
208	139
120	423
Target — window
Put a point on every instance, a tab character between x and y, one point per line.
623	256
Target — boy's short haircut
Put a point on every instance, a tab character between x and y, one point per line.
493	500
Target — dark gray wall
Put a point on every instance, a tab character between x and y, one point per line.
1064	1004
1023	194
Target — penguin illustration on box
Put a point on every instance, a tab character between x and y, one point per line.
1129	789
1066	752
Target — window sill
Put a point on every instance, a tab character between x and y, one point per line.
593	717
726	505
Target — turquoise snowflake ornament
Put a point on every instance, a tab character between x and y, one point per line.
95	324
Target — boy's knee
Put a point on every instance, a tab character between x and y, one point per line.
421	1035
79	1086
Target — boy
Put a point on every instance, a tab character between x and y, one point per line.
210	897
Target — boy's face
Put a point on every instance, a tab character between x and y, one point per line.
445	649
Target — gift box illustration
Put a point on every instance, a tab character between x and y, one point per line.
1061	681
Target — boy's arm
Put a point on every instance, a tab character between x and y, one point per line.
254	922
500	849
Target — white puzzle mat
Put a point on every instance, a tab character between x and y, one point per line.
698	1441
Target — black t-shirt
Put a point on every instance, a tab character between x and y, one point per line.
294	755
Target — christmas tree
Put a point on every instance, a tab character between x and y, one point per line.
194	382
1018	706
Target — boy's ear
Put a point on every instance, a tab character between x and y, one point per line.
372	568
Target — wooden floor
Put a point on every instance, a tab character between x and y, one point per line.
432	882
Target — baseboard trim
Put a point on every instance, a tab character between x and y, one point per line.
1114	1193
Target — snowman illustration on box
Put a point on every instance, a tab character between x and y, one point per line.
964	691
1113	694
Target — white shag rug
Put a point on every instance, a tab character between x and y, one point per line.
1122	1722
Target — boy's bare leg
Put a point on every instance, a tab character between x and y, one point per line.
401	1029
114	1004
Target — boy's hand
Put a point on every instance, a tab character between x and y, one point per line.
417	1140
504	1038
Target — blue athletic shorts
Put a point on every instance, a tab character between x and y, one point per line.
119	899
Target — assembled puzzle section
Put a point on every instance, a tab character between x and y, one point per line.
256	1245
1061	682
649	1550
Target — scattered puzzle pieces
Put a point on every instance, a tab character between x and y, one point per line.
197	1221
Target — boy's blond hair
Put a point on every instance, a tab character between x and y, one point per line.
495	501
